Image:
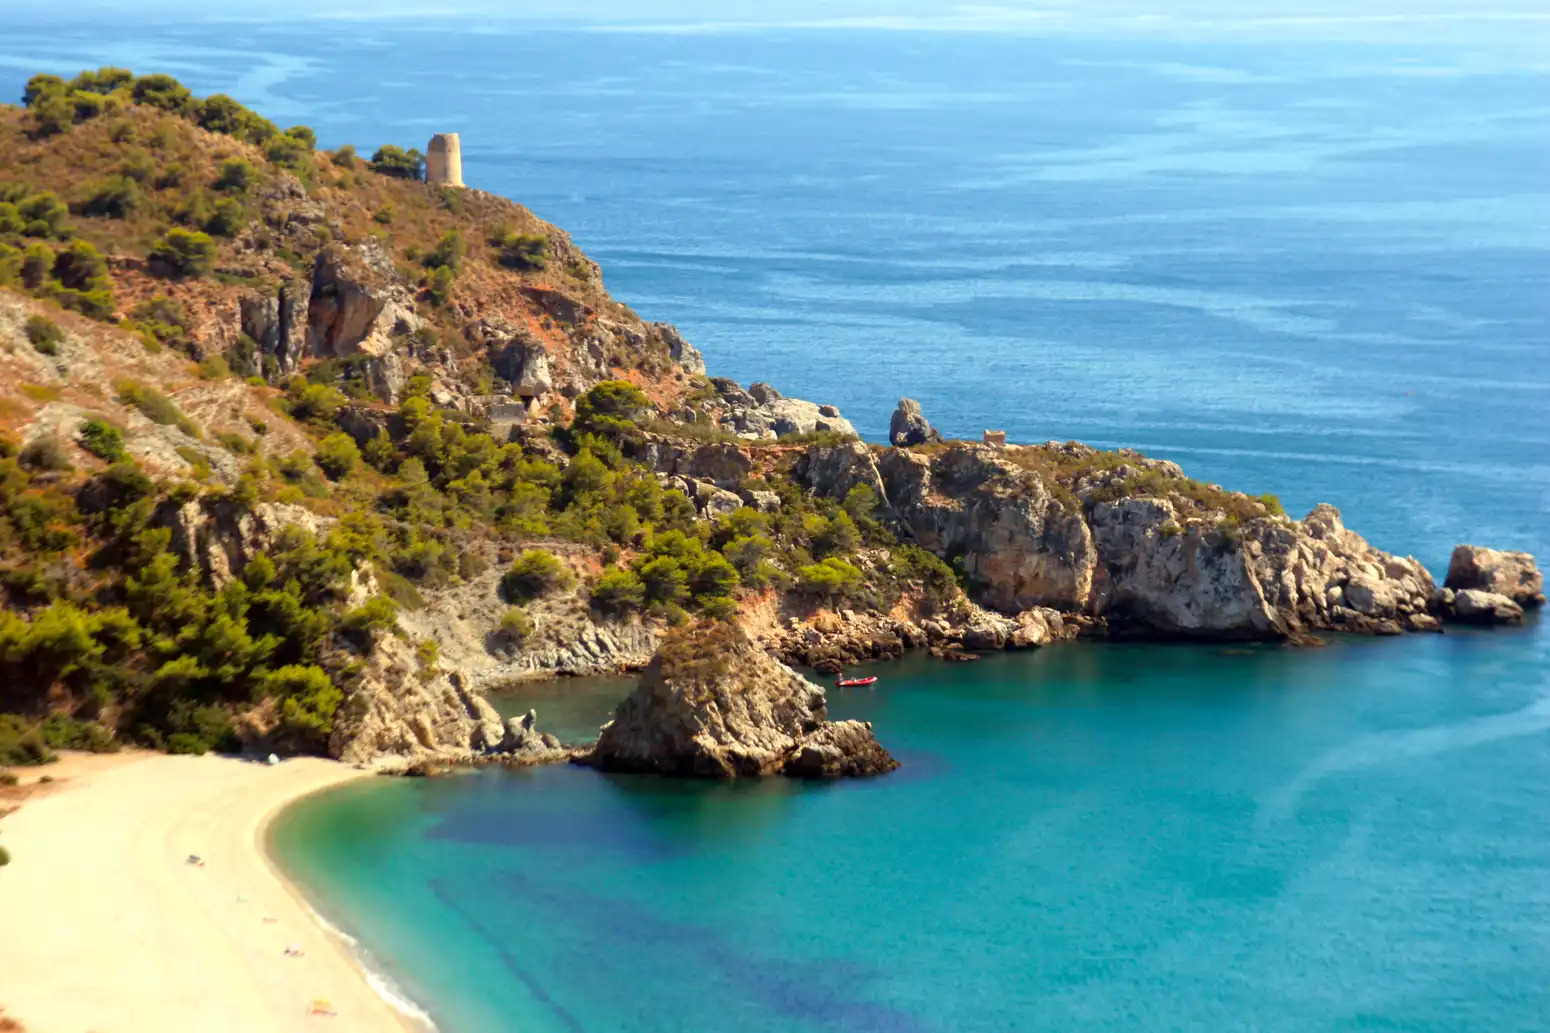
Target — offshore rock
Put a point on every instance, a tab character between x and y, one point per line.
712	704
1511	574
909	426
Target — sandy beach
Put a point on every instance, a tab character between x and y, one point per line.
109	929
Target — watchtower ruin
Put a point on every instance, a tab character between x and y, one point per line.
444	160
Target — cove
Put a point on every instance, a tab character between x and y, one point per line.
1086	837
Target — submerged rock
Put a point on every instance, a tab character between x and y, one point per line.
712	704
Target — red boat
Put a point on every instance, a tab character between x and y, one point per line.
850	683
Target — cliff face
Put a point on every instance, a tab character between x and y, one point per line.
714	705
1132	541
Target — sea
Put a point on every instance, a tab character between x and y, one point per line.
1310	263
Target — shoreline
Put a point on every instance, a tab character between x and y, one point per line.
114	930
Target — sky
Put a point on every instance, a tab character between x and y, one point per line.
1292	18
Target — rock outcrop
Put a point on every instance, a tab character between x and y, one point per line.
1132	542
909	426
1511	574
831	642
398	718
1020	545
763	412
359	309
712	704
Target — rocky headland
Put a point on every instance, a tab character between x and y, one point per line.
299	452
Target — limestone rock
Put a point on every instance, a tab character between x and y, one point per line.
682	352
714	705
909	426
1474	606
763	412
1021	544
1511	574
1194	584
358	308
278	324
834	470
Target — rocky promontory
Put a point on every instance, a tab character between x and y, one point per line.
712	704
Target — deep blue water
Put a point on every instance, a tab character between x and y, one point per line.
1315	268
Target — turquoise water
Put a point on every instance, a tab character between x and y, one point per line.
1124	838
1313	267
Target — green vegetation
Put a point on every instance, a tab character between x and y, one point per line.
155	406
516	627
161	322
399	163
523	251
536	573
103	440
184	253
44	334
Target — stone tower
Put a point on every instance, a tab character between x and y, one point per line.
444	160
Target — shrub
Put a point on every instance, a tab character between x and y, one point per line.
437	284
314	403
221	114
612	409
289	152
535	573
399	163
44	334
182	252
163	320
308	701
214	367
163	91
830	579
344	157
114	197
337	455
379	613
81	267
618	591
103	440
448	252
936	579
46	453
525	251
155	406
52	114
227	218
42	215
236	175
515	626
41	85
187	743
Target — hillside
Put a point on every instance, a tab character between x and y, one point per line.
299	452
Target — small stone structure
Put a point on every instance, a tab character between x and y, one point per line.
996	438
444	160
